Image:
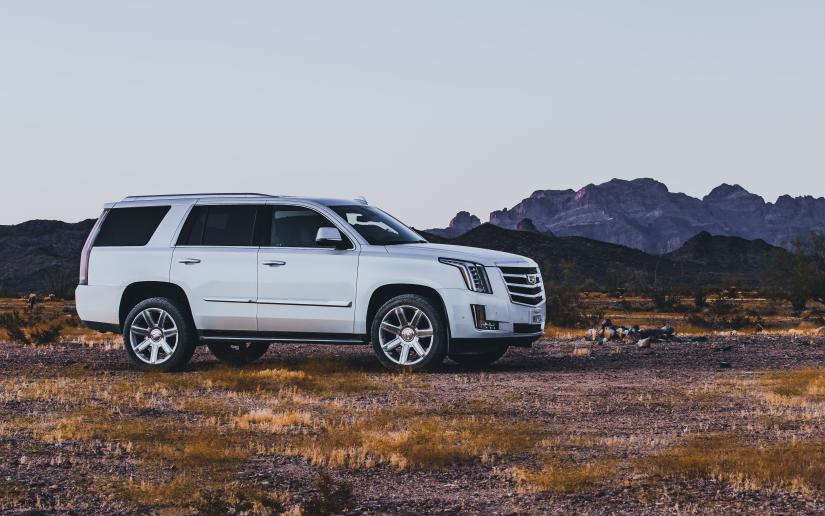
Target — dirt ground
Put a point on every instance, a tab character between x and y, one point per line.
730	425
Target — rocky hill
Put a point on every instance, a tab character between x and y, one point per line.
645	215
41	255
705	259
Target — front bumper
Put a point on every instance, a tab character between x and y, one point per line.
518	324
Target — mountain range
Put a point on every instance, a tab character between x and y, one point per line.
41	255
620	233
705	259
645	215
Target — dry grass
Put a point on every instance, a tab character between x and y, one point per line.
793	466
218	422
267	421
418	442
564	477
805	384
228	498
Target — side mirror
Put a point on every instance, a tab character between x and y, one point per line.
330	237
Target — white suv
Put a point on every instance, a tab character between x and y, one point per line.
240	271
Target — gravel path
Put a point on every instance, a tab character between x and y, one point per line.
632	403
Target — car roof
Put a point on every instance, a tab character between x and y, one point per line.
196	197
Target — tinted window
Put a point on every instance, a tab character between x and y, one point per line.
219	225
293	226
192	231
130	226
377	227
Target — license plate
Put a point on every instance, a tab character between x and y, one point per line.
536	317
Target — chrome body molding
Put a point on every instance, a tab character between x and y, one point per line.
338	304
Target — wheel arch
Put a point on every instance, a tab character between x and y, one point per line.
384	293
139	291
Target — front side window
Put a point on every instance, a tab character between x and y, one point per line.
220	225
130	226
295	226
377	227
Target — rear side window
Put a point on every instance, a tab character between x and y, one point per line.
130	226
219	225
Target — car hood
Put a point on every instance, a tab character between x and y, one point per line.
485	257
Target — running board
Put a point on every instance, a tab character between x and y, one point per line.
303	338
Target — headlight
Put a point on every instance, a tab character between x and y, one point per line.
475	277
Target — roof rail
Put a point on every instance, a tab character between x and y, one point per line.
190	195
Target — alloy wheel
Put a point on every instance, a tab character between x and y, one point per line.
406	335
153	336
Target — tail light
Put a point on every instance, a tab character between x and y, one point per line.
87	249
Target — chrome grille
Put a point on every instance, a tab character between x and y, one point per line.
518	285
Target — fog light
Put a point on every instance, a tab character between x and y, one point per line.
480	318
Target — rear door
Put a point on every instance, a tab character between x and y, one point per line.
302	287
215	262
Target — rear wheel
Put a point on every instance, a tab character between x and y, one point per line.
238	354
480	359
158	335
409	333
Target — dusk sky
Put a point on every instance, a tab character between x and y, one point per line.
423	107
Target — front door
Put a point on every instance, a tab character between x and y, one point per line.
302	287
215	261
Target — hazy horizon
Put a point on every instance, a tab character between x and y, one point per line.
424	108
483	216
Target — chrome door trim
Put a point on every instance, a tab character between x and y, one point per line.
283	339
228	300
338	304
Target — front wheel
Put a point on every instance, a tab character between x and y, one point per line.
238	354
409	333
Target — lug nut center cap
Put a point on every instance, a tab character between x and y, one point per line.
156	335
407	334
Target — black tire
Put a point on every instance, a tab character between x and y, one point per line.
238	354
437	349
185	342
479	359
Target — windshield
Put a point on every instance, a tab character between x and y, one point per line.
377	227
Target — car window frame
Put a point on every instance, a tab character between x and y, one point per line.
259	205
354	244
95	244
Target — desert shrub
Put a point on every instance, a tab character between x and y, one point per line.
768	309
564	309
237	501
664	301
333	497
14	326
731	321
627	306
61	281
700	297
798	276
722	307
590	285
46	333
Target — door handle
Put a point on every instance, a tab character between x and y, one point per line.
273	263
189	261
